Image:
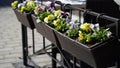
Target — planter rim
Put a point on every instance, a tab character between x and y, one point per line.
23	12
89	47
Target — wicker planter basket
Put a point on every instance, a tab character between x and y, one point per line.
45	30
25	19
98	55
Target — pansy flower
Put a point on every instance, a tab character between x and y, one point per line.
57	12
64	14
80	38
86	27
20	5
46	20
14	4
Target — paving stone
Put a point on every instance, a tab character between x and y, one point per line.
5	49
14	45
6	65
6	60
4	53
1	57
13	55
11	40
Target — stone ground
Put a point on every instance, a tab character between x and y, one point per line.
11	42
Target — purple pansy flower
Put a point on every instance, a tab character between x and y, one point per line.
51	5
72	25
64	14
68	20
37	11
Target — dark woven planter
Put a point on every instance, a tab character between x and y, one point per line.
38	26
99	55
50	34
25	19
45	30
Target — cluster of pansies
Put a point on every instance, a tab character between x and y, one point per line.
55	18
25	6
91	33
60	20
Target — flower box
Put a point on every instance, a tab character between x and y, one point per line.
45	30
25	19
38	26
98	55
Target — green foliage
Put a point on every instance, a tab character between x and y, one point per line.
94	36
72	33
29	6
41	15
26	6
61	26
101	34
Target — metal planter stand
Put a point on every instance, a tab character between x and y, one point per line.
66	57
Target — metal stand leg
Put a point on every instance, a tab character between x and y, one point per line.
33	40
66	59
74	62
118	63
24	45
84	65
54	56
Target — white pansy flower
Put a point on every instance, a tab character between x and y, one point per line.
20	4
97	27
24	2
109	34
92	26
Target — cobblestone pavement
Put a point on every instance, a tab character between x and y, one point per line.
11	43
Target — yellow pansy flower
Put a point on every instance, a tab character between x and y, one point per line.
30	3
57	13
86	27
36	8
80	37
46	19
51	17
22	9
80	32
14	4
56	22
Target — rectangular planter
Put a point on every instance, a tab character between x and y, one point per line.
25	19
50	34
39	26
99	55
45	30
